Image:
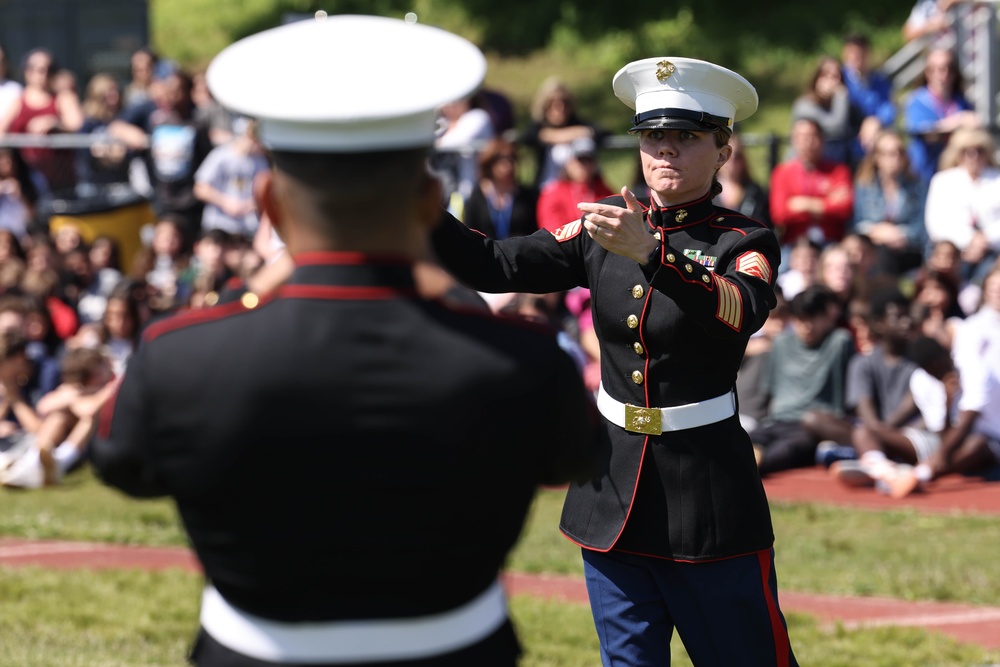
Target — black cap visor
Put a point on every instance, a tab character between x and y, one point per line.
678	119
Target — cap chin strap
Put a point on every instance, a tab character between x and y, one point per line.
685	114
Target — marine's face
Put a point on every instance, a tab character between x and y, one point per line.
679	164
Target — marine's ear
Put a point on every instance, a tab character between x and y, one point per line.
430	194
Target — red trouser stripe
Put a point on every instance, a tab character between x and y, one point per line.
781	644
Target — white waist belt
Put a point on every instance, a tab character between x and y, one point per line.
374	640
654	421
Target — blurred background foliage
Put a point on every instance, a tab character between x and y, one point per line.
776	45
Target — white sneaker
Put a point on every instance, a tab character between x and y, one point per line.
853	474
26	472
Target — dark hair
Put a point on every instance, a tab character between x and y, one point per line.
80	364
217	236
722	136
858	39
881	299
23	175
948	282
926	352
12	344
53	65
339	182
812	301
491	154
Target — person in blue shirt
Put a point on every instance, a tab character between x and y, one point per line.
934	110
869	91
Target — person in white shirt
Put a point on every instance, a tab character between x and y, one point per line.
970	433
963	200
10	91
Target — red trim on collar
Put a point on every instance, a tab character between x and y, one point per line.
349	258
190	317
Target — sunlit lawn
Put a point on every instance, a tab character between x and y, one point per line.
110	618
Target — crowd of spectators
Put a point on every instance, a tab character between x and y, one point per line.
887	207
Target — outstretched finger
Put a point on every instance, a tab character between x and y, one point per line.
631	201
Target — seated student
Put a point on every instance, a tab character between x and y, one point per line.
753	397
805	381
973	439
889	203
16	411
878	388
810	195
68	421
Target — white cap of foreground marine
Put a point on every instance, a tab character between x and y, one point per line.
683	94
346	84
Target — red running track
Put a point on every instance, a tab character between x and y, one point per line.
967	623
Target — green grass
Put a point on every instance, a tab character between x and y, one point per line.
84	509
112	618
128	618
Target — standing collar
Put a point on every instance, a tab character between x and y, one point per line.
352	269
681	215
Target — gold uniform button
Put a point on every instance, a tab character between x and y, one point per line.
211	298
638	292
638	348
719	219
249	300
705	278
688	268
657	236
670	257
637	377
632	321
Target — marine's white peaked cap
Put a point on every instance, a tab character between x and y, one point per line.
344	84
683	93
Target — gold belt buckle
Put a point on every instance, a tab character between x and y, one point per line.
643	420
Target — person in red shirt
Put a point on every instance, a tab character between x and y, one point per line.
579	180
810	196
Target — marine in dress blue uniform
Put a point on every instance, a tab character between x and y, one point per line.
675	528
352	461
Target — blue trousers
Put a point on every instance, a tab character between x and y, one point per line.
725	612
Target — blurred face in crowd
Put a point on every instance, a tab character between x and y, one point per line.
889	155
117	319
101	252
934	295
558	110
896	324
581	168
813	329
37	70
6	163
503	169
939	72
991	290
855	57
807	142
828	79
974	158
167	239
679	165
142	68
836	271
944	257
11	321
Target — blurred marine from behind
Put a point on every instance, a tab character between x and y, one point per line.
352	461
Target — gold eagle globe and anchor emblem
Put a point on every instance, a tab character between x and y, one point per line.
664	69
